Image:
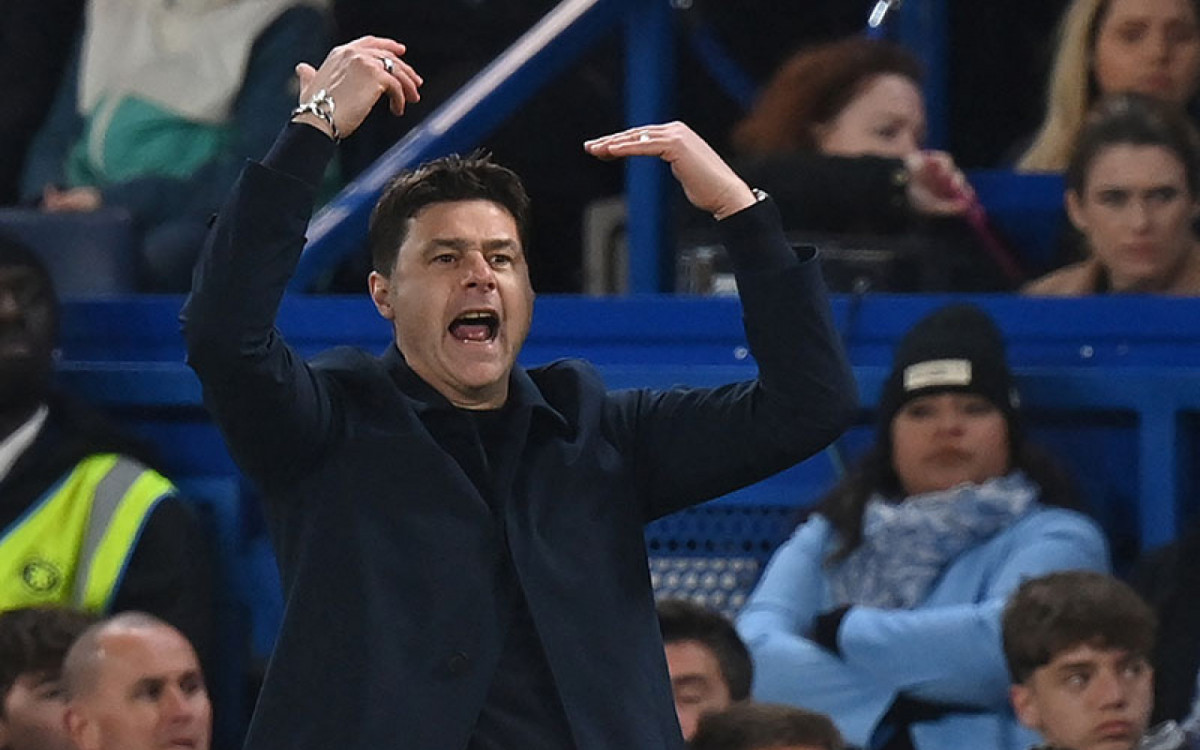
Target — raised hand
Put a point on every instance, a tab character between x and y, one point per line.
354	76
708	182
936	186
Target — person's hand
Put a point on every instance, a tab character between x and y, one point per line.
355	75
708	182
77	200
936	187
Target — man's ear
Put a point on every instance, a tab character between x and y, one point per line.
83	733
1024	704
1075	211
377	283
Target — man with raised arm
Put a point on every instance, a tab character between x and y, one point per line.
461	538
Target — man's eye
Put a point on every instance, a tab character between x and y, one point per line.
501	260
444	258
1164	194
1131	34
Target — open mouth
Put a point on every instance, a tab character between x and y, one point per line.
478	327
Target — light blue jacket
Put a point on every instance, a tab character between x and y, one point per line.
946	650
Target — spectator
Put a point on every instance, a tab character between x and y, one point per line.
33	643
883	609
709	665
766	726
836	137
853	111
1077	645
89	524
1168	579
160	108
1133	192
1107	47
134	683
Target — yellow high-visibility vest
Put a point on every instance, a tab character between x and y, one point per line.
72	545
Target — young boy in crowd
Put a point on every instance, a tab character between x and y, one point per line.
1078	647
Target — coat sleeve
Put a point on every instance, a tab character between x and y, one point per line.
47	155
953	654
790	668
791	591
691	445
275	411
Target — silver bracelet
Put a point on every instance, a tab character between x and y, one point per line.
321	104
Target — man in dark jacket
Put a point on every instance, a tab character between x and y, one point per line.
460	538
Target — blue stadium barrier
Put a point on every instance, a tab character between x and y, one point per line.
1112	385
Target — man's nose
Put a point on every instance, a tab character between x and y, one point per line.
1111	689
1139	215
477	271
1161	46
10	304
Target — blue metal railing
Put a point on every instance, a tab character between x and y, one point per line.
568	31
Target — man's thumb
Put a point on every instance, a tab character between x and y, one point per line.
305	73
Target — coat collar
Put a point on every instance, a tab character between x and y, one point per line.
522	391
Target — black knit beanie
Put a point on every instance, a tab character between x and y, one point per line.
955	348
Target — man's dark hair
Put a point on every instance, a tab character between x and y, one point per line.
1060	611
449	178
681	620
758	726
35	640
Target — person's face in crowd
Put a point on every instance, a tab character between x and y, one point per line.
944	439
460	299
26	336
1088	698
1150	47
697	682
887	118
33	715
148	694
1136	212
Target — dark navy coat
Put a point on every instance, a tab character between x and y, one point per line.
388	551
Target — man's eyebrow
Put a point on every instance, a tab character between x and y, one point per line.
147	682
689	679
1075	665
460	244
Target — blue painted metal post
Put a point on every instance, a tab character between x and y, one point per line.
923	26
649	98
1159	443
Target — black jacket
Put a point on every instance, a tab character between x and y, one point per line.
390	554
